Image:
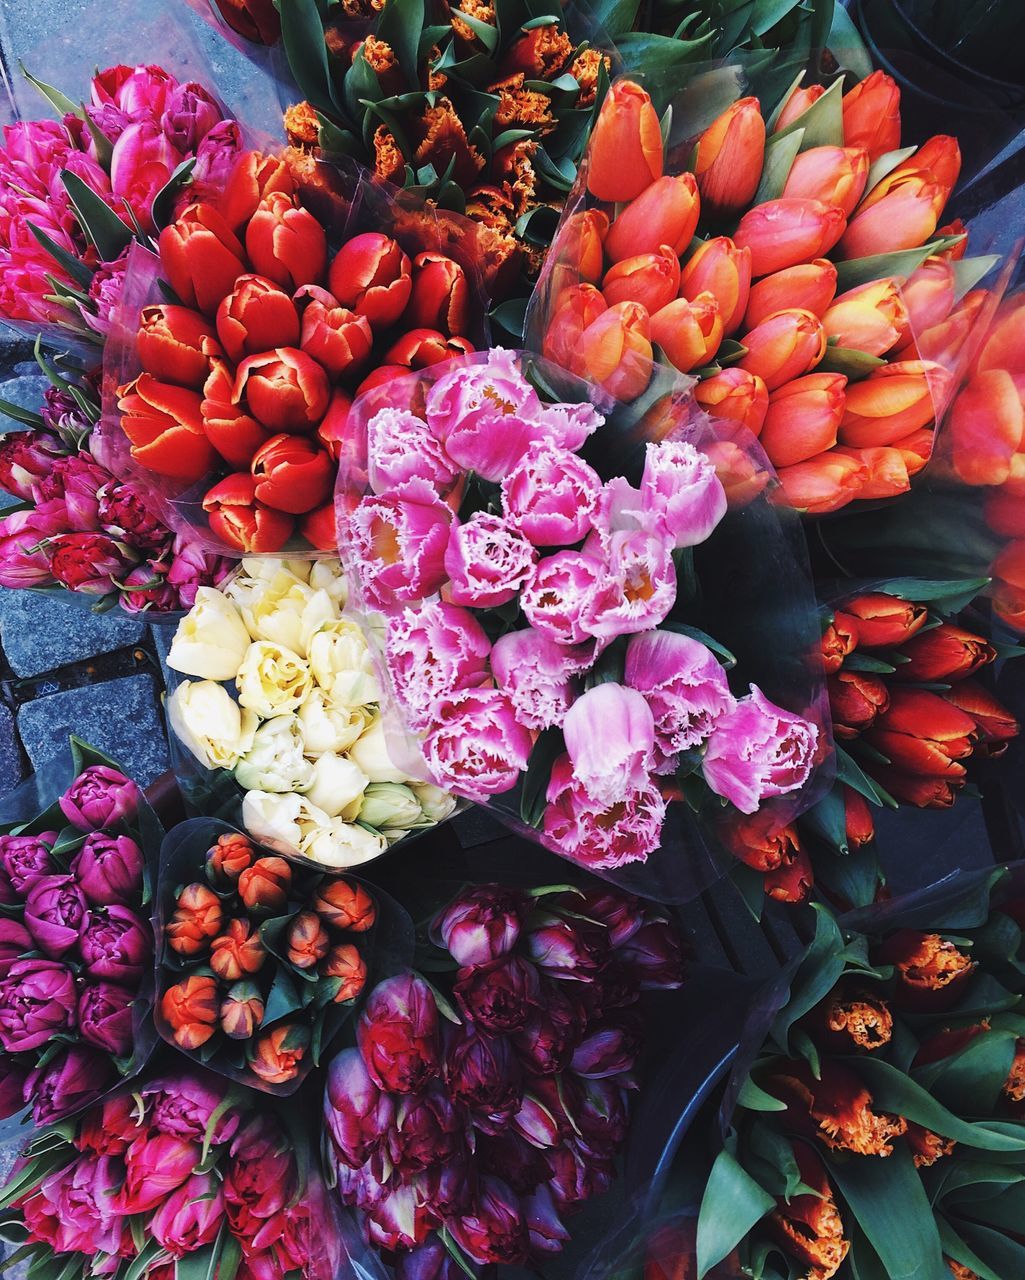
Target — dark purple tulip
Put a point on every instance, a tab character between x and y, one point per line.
621	913
74	1078
482	1073
431	1261
571	949
116	945
99	797
105	1017
447	1188
537	1125
55	914
499	996
182	1106
15	940
109	869
394	1218
12	1088
546	1043
611	1047
27	859
577	1176
356	1112
522	1166
602	1116
482	924
494	1230
398	1034
653	957
544	1226
429	1131
37	999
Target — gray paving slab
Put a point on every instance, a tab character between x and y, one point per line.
42	632
25	392
11	767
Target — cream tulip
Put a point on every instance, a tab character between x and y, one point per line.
342	844
276	760
329	727
337	786
279	820
370	752
390	805
210	723
273	680
212	638
326	575
342	664
437	805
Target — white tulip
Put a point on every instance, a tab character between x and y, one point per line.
342	664
327	727
212	638
273	680
370	752
276	760
337	786
210	723
342	844
436	804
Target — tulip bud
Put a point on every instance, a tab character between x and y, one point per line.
858	824
482	924
307	940
202	257
164	424
689	332
720	268
930	971
319	529
196	920
241	1011
944	653
286	243
856	698
391	805
986	429
834	175
797	104
1005	341
734	395
190	1009
371	275
575	308
885	621
237	517
916	449
792	881
870	318
783	347
256	316
237	952
900	212
284	389
928	296
886	471
945	342
893	401
398	1034
1005	513
651	279
345	905
810	286
614	351
440	297
345	963
803	417
265	885
995	726
333	431
624	154
278	1053
871	115
233	433
172	344
579	254
839	639
255	177
421	348
729	159
292	474
924	735
783	233
256	20
667	212
821	484
338	339
228	858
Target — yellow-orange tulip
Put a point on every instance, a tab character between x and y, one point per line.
823	483
928	297
797	104
885	469
948	341
729	158
803	418
721	269
615	353
580	258
625	153
734	395
916	449
575	308
784	346
870	318
811	286
834	175
893	401
871	115
940	157
666	213
782	233
901	212
985	428
689	331
1004	347
652	279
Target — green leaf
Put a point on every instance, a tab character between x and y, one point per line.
851	774
533	800
901	263
1003	1256
954	594
200	1265
283	998
25	416
828	819
302	37
853	364
886	164
164	200
972	1079
511	316
99	221
954	1247
846	45
400	25
780	153
865	662
733	1202
60	102
755	1098
484	31
140	1264
75	267
822	123
969	271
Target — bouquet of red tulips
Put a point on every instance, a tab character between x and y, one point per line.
261	961
467	1125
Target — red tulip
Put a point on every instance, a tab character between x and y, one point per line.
165	426
871	115
285	389
441	294
994	724
202	257
689	332
718	267
810	286
319	528
943	653
237	952
371	275
885	621
338	339
834	175
256	316
233	433
421	348
286	243
922	734
174	344
241	521
856	699
292	474
625	151
255	176
839	639
900	212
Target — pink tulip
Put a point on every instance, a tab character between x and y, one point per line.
536	671
561	595
356	1112
639	586
141	164
190	1216
488	560
596	836
681	488
482	923
154	1167
434	651
550	494
475	746
398	1034
610	736
74	1078
401	446
758	750
400	539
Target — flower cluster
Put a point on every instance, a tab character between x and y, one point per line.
173	1170
840	366
503	591
252	371
85	530
304	738
75	948
139	126
257	959
493	1127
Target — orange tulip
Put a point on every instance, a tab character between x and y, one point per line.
579	251
823	483
615	352
228	857
734	396
797	104
783	233
985	428
667	212
575	309
235	434
307	940
190	1009
688	331
202	257
886	470
718	267
1008	572
811	286
916	449
175	344
195	921
901	212
265	885
164	424
729	159
1004	347
893	401
834	175
345	963
625	153
946	342
884	621
803	418
241	521
741	475
784	346
871	115
839	640
928	297
870	318
1005	514
278	1053
237	952
940	157
254	177
345	905
652	279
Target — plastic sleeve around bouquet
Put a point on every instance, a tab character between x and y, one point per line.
290	994
739	585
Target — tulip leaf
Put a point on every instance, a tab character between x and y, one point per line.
729	660
849	772
822	123
969	271
828	819
75	268
733	1202
534	796
846	45
162	210
903	262
142	1261
972	1079
853	364
199	1265
25	416
456	1254
31	1174
754	1098
1002	1255
302	37
60	102
954	594
766	13
954	1247
98	220
780	153
886	164
283	998
400	25
865	662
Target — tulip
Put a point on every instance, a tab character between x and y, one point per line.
893	401
856	699
71	1080
292	474
797	104
190	1009
652	279
822	484
994	723
356	1113
723	270
930	971
398	1034
568	949
688	332
421	348
347	967
575	308
871	318
858	825
235	435
202	257
190	1217
810	286
237	952
871	115
1005	513
15	941
99	798
579	254
546	1042
625	150
792	881
728	163
886	470
255	20
55	914
944	653
277	1054
885	621
88	562
430	1133
229	856
784	346
494	1231
786	232
945	342
256	316
26	457
236	516
614	351
482	924
108	869
174	345
164	424
900	212
835	1107
37	1001
196	920
928	296
924	735
803	417
285	389
286	243
1002	348
809	1226
833	175
839	639
371	276
105	1017
734	395
241	1011
27	859
116	944
986	428
254	177
666	212
265	885
761	841
440	297
338	339
343	904
307	941
501	995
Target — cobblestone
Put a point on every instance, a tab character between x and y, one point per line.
41	632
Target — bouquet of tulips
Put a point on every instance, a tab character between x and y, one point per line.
525	571
171	1175
878	1128
261	961
793	266
246	378
298	738
76	945
466	1125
